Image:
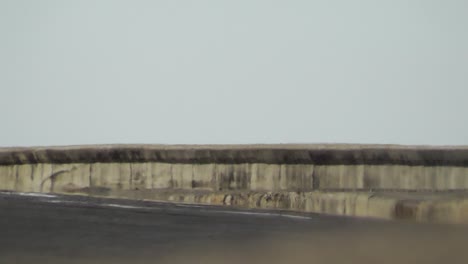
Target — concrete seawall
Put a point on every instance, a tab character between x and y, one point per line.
386	181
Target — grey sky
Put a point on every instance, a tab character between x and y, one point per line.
244	71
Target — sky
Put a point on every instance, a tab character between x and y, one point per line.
233	72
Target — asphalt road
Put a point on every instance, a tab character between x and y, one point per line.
72	229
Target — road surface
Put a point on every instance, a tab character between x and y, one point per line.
40	228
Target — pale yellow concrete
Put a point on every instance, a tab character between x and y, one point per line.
247	177
140	175
46	183
161	175
81	177
106	175
182	176
8	177
60	176
24	178
203	177
329	189
125	175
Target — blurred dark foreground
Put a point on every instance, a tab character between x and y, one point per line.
64	229
376	246
349	247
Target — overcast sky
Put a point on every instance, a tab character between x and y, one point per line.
243	71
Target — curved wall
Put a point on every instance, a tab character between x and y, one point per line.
337	179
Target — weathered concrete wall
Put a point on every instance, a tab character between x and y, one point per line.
217	177
46	177
390	177
335	179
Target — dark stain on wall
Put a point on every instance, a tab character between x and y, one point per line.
235	154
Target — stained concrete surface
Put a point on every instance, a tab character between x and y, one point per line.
40	228
319	154
391	191
342	179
